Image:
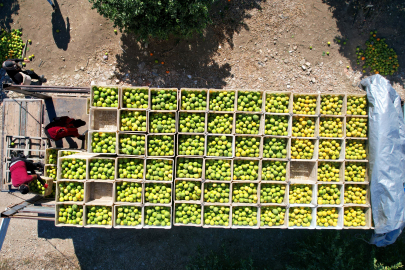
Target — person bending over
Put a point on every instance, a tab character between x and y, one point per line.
20	178
62	127
19	76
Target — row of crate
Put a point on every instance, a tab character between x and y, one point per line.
295	170
261	221
207	97
108	193
234	145
111	120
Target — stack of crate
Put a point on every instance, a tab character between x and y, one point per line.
207	158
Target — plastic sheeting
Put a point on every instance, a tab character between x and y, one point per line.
386	160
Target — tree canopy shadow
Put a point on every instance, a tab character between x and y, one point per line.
186	62
60	29
357	18
7	9
98	248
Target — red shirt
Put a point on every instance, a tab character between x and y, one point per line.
57	133
19	174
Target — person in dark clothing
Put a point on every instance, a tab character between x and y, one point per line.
19	168
19	76
62	127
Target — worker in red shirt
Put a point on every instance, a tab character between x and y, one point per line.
20	178
62	127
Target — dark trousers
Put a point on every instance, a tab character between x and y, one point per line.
31	166
32	74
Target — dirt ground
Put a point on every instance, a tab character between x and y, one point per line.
253	44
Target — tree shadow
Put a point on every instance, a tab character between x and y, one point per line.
98	248
7	9
60	29
357	18
186	62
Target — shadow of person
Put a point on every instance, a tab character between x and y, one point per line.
60	29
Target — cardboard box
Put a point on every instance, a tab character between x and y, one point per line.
315	143
314	200
313	221
206	185
172	114
169	226
257	163
211	91
142	112
284	226
267	116
325	95
177	204
236	207
238	91
99	193
186	113
202	91
113	87
318	102
191	159
234	185
340	219
160	183
121	96
208	137
325	118
207	176
266	140
154	90
95	159
115	193
366	177
314	118
58	191
117	174
60	224
287	93
118	145
265	185
303	171
368	215
160	136
148	160
341	165
341	197
90	141
86	210
341	156
287	168
116	226
260	147
183	135
103	119
205	207
211	117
